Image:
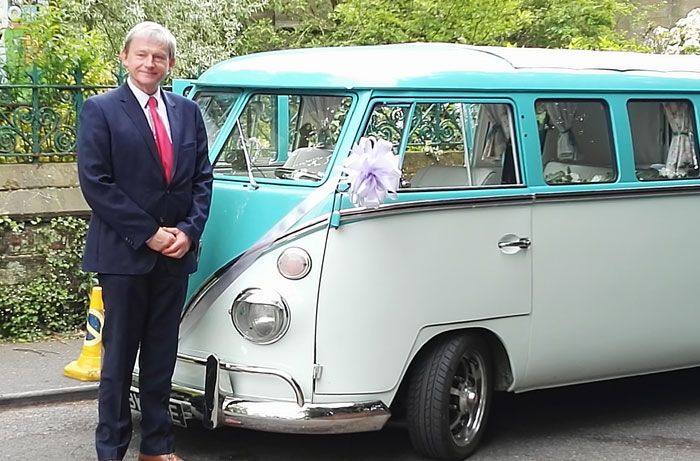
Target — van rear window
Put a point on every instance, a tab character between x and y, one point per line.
576	141
664	139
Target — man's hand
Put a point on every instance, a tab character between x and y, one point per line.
161	240
180	246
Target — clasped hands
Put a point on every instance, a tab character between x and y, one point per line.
170	241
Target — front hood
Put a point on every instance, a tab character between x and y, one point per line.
240	215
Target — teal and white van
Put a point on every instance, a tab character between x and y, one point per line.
405	229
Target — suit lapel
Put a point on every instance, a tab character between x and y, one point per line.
138	117
174	119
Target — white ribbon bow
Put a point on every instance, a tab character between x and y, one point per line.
372	171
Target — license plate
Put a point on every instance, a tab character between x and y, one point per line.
177	409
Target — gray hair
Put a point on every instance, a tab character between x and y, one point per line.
152	31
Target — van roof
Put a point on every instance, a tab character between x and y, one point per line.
442	65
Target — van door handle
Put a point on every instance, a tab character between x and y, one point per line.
510	243
522	242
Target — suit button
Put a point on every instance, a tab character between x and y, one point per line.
161	219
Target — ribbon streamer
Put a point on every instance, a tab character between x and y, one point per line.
371	171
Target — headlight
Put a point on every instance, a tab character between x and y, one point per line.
260	316
294	263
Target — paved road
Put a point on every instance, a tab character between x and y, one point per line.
650	418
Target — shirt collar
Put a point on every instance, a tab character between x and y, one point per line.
142	97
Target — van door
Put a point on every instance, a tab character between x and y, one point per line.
453	248
613	267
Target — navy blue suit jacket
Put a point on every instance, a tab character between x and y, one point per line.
122	179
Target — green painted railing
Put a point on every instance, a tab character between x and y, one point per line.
39	122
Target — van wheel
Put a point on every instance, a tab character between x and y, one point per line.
449	397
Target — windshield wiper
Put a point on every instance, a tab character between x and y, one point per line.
246	155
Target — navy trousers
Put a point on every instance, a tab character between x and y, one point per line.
142	313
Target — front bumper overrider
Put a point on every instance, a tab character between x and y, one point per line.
215	409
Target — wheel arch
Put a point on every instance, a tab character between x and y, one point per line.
502	368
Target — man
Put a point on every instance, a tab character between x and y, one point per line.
144	170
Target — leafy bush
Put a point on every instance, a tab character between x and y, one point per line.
55	299
48	54
53	41
591	24
205	30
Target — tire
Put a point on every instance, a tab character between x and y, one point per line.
449	398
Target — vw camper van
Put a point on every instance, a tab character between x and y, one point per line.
406	229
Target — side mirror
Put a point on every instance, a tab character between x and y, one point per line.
182	86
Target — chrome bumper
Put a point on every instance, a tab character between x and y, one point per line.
216	409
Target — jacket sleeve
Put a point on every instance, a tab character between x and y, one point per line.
107	200
193	224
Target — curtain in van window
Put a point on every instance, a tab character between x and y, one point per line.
499	131
318	112
681	152
562	115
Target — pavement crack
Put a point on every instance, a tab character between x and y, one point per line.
652	441
41	352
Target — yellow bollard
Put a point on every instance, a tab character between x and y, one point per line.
89	363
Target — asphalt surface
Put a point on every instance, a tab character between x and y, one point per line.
650	418
32	373
645	418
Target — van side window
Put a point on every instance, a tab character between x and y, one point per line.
664	139
576	141
449	144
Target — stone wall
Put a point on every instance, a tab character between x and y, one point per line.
30	191
668	12
665	14
49	189
18	256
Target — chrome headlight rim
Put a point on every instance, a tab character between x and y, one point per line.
261	296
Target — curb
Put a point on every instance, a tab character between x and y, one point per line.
65	394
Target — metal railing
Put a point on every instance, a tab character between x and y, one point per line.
39	122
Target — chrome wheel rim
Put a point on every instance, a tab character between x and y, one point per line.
468	393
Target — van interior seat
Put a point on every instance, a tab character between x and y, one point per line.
585	172
445	176
311	159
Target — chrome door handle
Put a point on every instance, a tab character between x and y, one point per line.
510	244
522	242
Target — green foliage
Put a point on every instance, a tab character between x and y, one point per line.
534	23
588	24
48	48
261	34
8	225
55	299
205	30
58	44
466	21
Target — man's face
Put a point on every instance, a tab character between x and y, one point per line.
147	62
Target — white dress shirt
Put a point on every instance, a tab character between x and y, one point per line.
143	102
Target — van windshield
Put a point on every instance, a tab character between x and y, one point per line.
215	107
284	136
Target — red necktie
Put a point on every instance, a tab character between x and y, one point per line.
165	147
